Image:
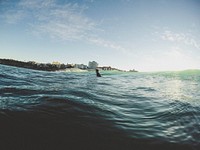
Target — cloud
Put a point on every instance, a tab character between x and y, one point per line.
179	38
65	22
61	21
10	16
107	44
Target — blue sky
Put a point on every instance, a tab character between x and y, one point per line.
147	35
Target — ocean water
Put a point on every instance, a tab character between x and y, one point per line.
59	110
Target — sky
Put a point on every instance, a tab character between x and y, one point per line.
146	35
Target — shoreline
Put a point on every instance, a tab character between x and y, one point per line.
35	66
73	70
54	66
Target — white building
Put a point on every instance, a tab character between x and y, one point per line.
92	65
81	66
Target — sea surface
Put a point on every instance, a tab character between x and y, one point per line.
120	110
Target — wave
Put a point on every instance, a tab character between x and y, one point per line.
49	110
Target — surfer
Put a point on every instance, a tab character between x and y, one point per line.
97	73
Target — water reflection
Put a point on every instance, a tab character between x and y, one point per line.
185	91
142	105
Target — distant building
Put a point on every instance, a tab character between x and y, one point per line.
55	63
70	65
106	68
92	65
81	66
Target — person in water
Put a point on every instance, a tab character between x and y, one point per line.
97	73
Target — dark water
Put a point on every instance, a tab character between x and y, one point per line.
58	110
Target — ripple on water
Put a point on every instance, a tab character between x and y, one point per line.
158	106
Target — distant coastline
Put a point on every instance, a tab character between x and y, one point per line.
33	65
55	66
